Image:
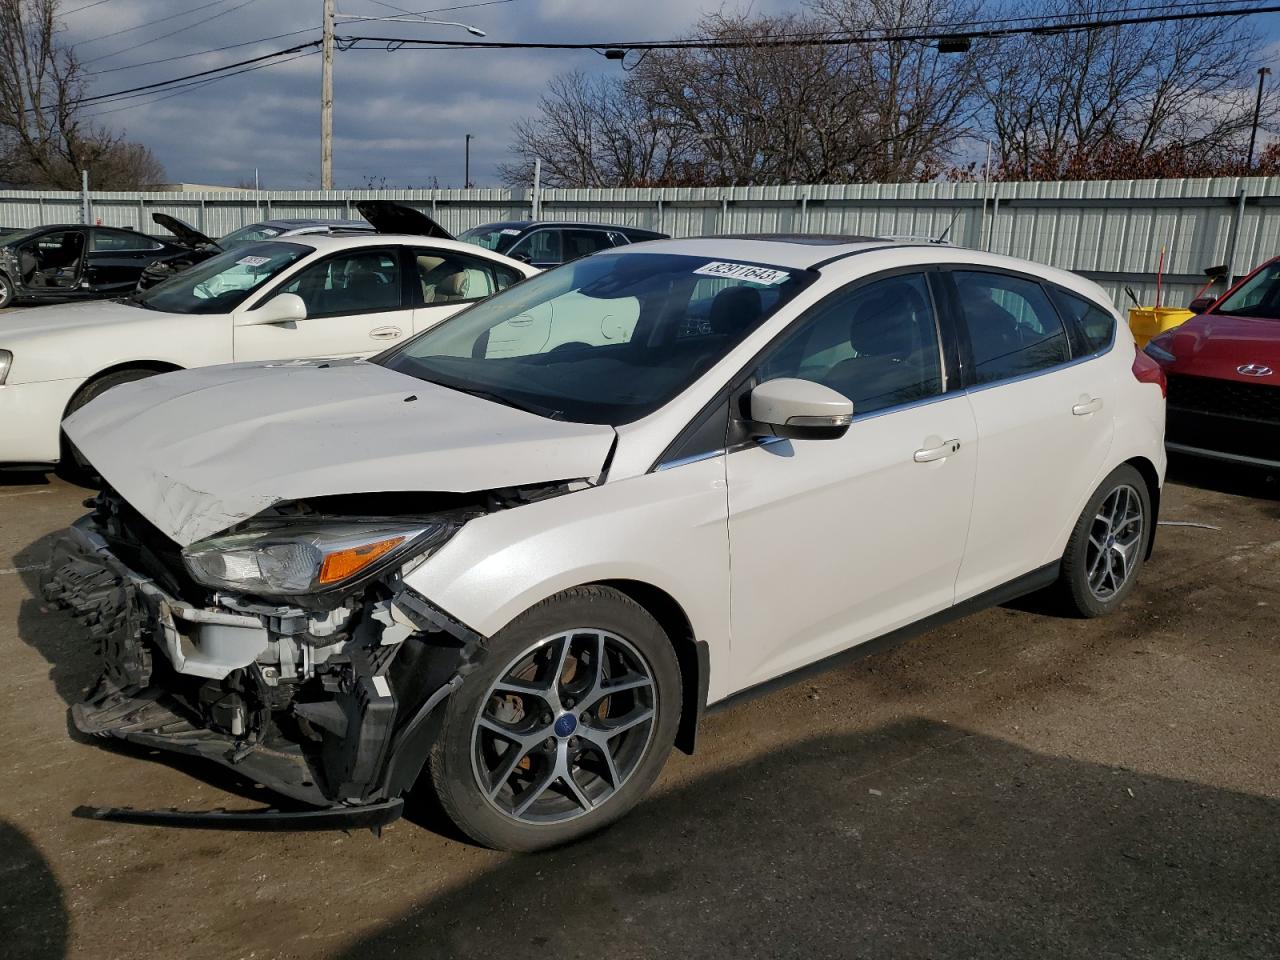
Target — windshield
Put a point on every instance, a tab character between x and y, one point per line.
606	339
222	283
493	236
1259	296
250	234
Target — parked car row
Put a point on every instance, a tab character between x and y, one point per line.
493	559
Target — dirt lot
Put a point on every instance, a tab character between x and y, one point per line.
1014	785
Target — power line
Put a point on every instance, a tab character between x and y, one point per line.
151	23
423	13
85	7
172	33
896	34
198	53
192	87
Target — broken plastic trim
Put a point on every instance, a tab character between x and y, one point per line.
372	816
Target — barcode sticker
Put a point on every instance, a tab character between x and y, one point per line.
253	261
743	271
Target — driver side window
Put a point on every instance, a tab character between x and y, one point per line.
360	281
876	344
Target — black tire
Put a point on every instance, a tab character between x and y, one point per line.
6	291
453	773
74	466
1077	592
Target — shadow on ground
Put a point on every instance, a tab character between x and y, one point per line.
33	912
914	840
1240	481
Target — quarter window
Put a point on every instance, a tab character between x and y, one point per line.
1094	325
877	344
362	281
1013	328
445	276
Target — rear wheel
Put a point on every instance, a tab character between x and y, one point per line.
1108	546
73	465
564	727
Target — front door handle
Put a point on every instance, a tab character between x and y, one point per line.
930	454
1086	407
385	333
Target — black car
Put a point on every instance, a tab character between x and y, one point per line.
76	262
549	243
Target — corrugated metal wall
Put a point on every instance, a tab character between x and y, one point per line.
1109	230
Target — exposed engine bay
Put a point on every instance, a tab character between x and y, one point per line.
330	701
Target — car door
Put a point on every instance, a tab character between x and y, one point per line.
1044	425
117	258
444	281
356	306
834	542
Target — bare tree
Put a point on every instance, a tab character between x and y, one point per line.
44	138
1074	104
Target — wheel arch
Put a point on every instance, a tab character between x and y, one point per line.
155	366
1152	478
692	654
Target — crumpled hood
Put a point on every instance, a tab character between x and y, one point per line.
198	451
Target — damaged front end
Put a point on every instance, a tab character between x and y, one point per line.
288	650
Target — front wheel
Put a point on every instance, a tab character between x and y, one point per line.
74	466
1108	545
6	291
564	727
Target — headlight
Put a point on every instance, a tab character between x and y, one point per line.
6	361
293	558
1158	353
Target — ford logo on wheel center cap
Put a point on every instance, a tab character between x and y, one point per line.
565	725
1254	370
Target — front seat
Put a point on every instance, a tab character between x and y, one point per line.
735	311
884	333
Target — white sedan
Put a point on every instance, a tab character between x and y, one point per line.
517	556
308	296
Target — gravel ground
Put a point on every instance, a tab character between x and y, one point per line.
1015	785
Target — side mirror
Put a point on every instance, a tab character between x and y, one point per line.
799	410
1200	304
282	308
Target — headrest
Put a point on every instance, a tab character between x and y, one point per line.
735	309
453	285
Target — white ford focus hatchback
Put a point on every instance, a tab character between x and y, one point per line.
515	558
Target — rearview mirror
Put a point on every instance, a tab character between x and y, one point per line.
799	410
282	308
1200	304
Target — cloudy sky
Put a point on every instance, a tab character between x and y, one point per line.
398	115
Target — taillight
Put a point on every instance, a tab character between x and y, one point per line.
1146	370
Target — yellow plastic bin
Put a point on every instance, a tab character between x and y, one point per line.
1148	322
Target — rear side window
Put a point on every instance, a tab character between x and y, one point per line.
1094	326
1013	328
104	241
582	243
446	276
541	246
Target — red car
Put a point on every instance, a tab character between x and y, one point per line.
1223	368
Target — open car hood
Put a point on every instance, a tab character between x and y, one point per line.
198	451
387	216
183	231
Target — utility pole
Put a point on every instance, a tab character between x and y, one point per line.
326	101
1257	112
466	168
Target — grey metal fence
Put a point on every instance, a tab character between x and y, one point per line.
1111	231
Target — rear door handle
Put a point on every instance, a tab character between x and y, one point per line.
1087	407
385	333
930	454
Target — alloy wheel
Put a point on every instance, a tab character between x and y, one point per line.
564	727
1115	541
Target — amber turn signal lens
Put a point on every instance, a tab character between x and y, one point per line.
343	563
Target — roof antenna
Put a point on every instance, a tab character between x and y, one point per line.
942	237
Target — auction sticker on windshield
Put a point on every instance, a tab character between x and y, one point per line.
253	261
742	271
